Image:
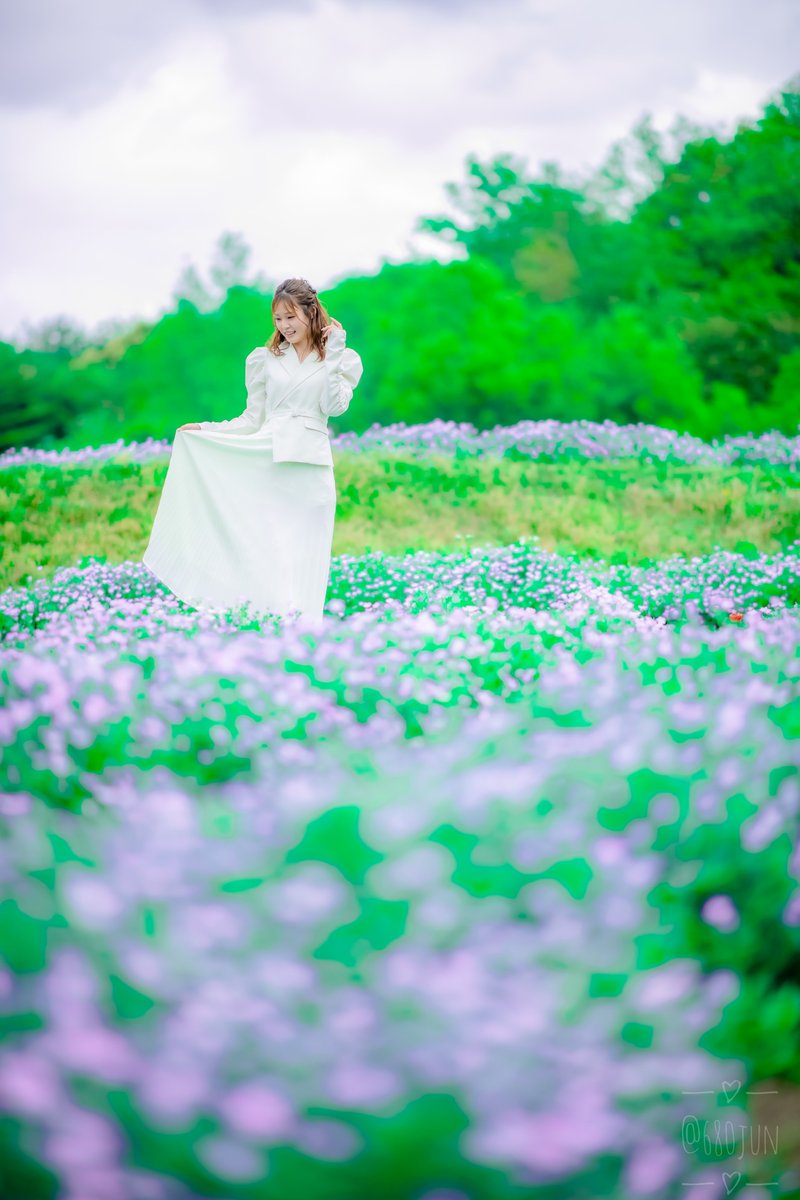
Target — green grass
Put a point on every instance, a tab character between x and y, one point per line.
634	512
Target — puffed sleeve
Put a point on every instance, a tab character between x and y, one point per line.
343	368
251	420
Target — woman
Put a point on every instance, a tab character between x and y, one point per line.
247	509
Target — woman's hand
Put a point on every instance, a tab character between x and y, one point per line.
191	425
334	324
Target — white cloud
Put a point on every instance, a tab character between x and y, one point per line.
720	96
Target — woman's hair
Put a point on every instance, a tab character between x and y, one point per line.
299	294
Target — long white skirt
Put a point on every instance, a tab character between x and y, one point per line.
232	526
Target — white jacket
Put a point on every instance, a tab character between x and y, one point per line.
293	399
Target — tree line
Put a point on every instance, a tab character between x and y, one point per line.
663	288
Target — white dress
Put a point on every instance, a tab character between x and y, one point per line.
235	526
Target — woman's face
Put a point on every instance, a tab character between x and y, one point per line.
290	322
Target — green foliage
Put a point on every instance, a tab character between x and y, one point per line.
707	254
615	368
466	327
40	394
722	231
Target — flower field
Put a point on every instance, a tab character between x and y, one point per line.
527	439
487	886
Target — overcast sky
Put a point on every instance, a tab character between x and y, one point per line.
134	134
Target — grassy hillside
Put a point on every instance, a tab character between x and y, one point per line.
51	516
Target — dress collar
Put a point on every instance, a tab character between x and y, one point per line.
294	358
294	368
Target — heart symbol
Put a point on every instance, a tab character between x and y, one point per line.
731	1089
730	1181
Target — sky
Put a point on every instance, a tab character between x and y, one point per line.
133	136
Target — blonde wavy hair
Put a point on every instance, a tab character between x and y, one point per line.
302	298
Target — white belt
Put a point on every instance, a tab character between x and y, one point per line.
277	417
292	413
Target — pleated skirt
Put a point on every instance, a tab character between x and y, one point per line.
234	527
